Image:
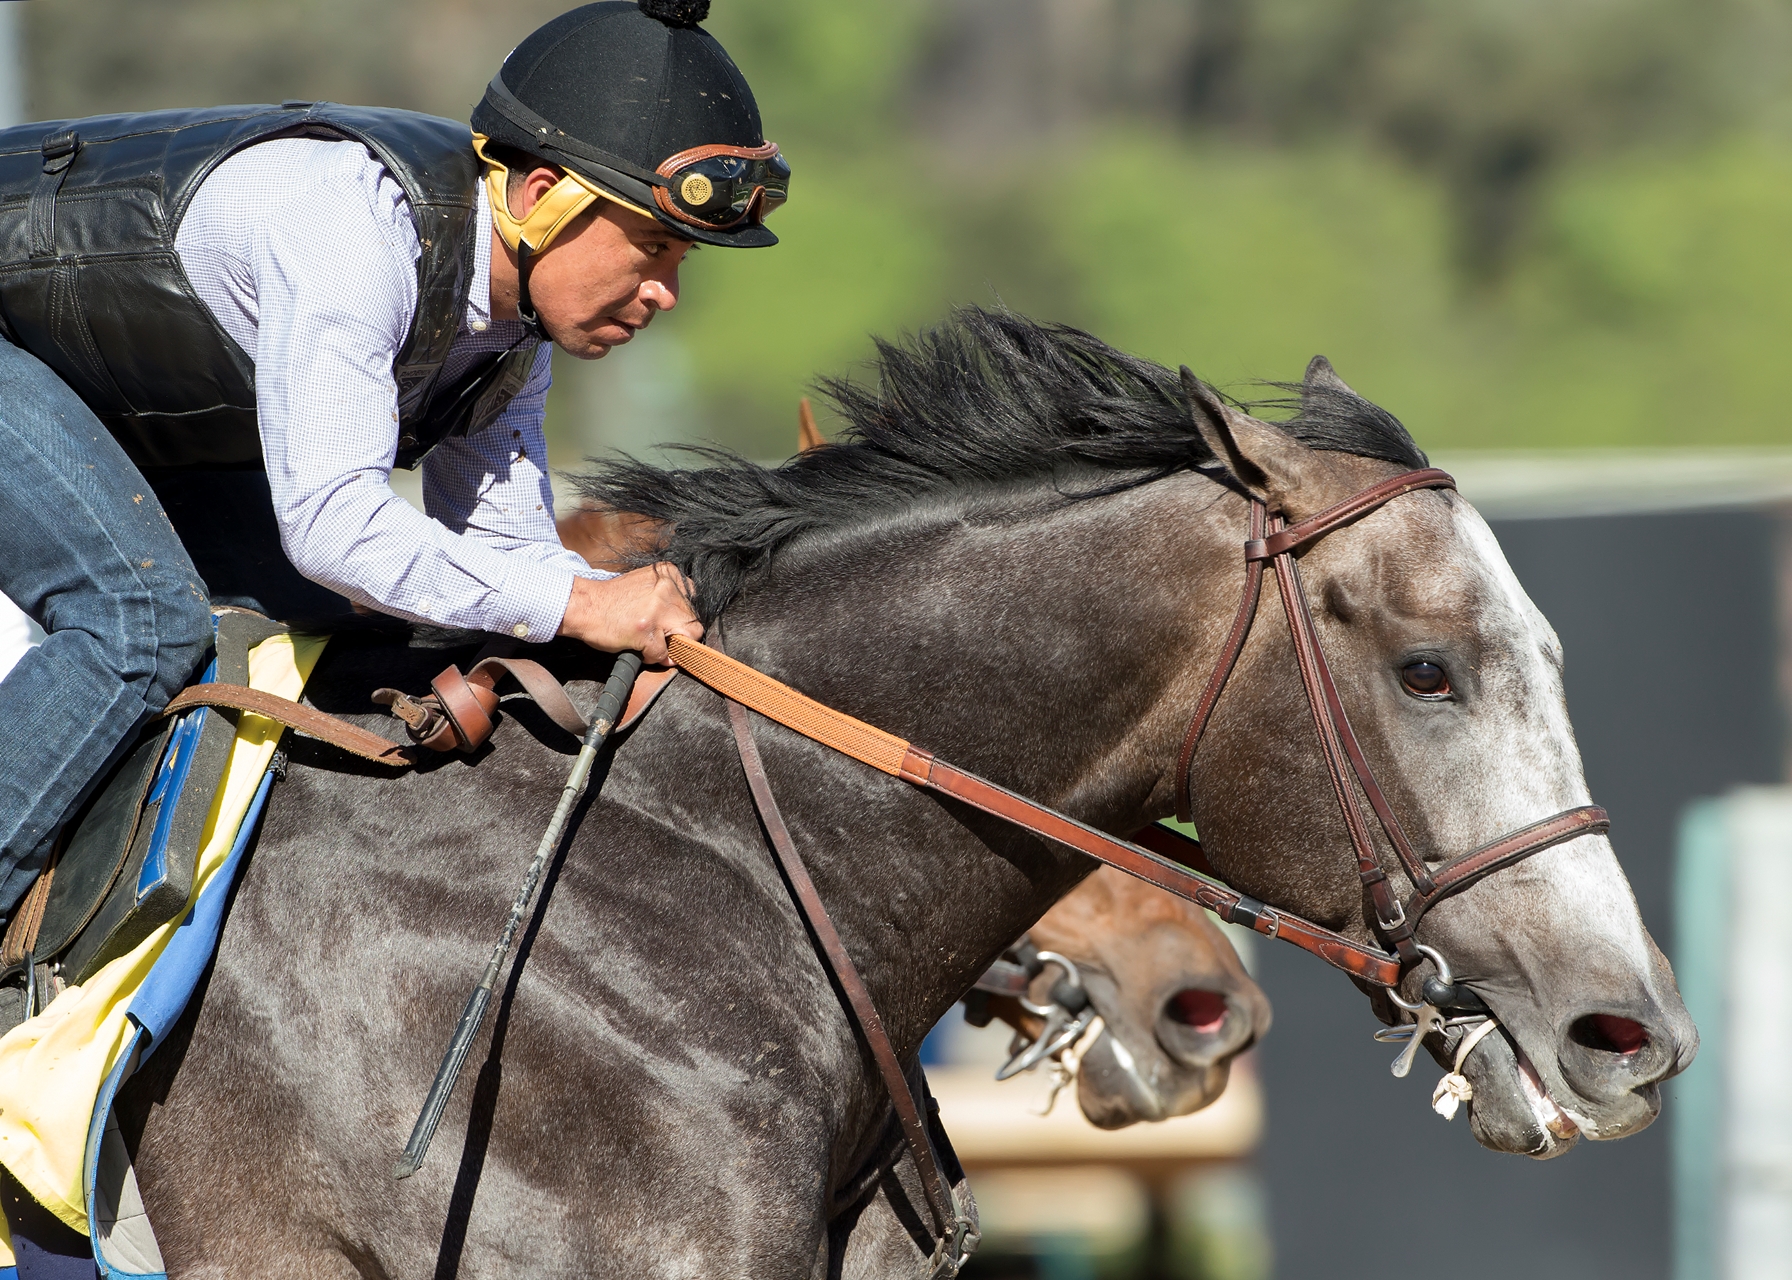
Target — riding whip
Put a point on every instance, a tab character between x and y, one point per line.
609	710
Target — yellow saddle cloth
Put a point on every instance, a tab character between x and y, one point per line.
59	1071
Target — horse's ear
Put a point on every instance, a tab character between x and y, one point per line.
1321	376
1271	464
808	435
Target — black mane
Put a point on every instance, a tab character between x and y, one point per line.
988	398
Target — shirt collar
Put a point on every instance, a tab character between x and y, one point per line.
479	296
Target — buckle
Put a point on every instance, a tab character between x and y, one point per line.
955	1248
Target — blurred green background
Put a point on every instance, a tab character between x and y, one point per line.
1516	223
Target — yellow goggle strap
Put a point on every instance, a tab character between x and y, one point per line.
564	201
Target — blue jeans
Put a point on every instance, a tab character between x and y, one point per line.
87	552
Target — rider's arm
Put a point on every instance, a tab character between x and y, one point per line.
319	285
492	486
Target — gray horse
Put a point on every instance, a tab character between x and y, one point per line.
1024	556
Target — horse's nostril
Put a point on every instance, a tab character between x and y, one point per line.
1202	1010
1609	1033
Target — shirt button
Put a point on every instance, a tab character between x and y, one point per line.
479	326
520	631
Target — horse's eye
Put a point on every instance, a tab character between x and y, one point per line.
1425	678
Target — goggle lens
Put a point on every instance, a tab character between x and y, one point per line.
722	190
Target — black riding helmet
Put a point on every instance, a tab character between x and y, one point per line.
639	102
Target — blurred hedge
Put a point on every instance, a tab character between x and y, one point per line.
1515	222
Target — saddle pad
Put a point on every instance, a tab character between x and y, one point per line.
60	1071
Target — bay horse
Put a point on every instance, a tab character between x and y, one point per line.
1024	553
1175	1003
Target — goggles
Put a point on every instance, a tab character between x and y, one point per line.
719	187
716	188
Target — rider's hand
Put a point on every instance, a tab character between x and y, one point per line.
635	611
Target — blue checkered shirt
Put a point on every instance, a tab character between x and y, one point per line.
305	252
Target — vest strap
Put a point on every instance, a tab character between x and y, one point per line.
59	153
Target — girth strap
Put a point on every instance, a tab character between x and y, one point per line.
949	1225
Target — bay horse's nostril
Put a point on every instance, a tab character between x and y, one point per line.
1204	1011
1609	1033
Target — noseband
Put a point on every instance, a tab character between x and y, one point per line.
1276	543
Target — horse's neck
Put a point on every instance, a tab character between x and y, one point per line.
1058	654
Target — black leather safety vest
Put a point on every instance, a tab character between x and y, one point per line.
90	282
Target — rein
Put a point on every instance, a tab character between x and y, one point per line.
1151	859
1273	541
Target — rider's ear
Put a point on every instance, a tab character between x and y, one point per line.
1272	465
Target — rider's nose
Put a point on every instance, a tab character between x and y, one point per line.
657	295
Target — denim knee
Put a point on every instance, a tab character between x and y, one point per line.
183	635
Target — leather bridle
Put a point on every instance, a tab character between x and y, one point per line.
1161	856
1273	542
1165	857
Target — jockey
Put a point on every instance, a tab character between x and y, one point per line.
225	327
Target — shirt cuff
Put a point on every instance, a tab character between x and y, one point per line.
533	603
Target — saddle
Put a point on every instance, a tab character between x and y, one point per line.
124	866
126	862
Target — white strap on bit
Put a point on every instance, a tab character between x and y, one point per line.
1454	1089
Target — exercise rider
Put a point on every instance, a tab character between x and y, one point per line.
225	327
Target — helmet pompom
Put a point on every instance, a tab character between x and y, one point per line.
676	13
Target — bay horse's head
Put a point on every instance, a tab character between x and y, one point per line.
1452	681
1176	1004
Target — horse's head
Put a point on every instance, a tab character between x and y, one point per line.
1452	680
1176	1004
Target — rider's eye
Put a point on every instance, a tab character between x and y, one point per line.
1426	679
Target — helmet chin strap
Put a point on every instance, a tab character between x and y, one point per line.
525	305
530	235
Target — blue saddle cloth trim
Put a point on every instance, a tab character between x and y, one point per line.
96	1128
162	999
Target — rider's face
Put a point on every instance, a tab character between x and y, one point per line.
604	276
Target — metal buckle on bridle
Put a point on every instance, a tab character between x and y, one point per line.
956	1246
